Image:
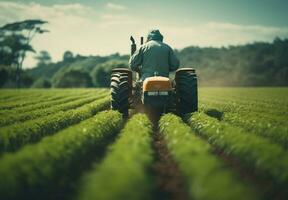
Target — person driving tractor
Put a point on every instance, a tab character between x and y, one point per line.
154	57
153	91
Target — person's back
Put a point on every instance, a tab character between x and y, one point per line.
154	57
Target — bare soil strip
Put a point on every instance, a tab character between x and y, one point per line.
170	182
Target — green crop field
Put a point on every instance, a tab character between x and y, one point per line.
68	144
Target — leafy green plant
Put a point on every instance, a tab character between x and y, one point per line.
20	102
124	172
36	171
41	83
262	127
24	98
206	176
15	136
15	117
257	153
45	104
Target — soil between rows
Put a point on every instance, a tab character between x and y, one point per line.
169	180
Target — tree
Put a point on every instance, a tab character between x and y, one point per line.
67	56
11	47
72	78
43	58
24	31
101	74
42	83
4	73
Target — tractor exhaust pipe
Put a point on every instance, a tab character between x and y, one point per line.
133	49
133	46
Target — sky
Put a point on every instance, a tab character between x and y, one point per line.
103	27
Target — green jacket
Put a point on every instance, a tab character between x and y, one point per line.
154	57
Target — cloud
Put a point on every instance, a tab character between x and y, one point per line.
65	25
219	34
113	6
247	28
11	11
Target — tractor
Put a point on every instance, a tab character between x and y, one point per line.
157	94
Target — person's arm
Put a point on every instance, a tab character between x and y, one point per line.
173	61
136	60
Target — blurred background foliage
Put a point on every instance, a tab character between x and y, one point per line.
255	64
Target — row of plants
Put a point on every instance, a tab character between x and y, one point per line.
30	100
44	104
258	154
42	170
263	96
262	127
271	126
124	173
235	103
16	117
15	95
206	175
17	135
33	97
270	114
262	112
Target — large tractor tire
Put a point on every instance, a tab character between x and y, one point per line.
186	91
120	92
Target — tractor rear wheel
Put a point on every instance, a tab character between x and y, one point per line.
186	91
120	92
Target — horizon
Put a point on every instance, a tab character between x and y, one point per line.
88	27
137	40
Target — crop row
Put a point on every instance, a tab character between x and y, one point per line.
264	96
46	104
276	132
15	136
47	95
238	104
7	105
124	172
245	109
39	170
205	174
31	100
15	117
257	153
16	95
270	126
276	119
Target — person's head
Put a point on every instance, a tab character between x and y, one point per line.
155	35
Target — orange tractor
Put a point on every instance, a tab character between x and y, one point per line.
154	93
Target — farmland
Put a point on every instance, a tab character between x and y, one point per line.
68	144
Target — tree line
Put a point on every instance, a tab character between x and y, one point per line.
255	64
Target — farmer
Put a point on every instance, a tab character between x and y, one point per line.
154	57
